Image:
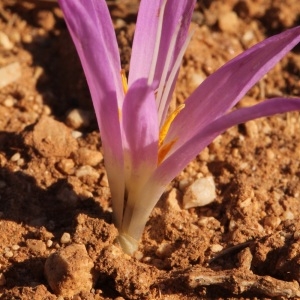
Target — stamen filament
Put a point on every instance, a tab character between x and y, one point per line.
164	130
167	64
162	110
157	42
124	81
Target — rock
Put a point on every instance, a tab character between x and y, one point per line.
5	41
65	238
77	118
88	157
200	193
36	246
66	166
87	171
69	271
229	22
9	74
51	138
45	19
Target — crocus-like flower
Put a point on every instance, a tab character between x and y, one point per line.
144	145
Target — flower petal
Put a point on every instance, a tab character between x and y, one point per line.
182	156
224	88
148	32
91	29
140	131
140	125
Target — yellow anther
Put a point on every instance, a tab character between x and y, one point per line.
164	150
120	114
124	81
164	130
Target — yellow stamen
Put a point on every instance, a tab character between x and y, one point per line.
164	130
124	81
164	150
120	114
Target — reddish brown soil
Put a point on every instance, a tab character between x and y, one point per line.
246	244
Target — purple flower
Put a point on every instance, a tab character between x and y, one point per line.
144	148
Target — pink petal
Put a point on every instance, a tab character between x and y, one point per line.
140	132
146	34
182	156
224	88
91	29
140	125
93	34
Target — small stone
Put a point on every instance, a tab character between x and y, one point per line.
15	247
45	19
8	254
270	154
5	41
164	250
9	74
36	246
104	181
2	279
77	118
288	215
88	157
49	243
15	157
76	134
252	129
200	193
69	271
183	184
229	22
9	101
272	221
87	171
216	248
248	36
172	200
51	138
65	238
66	165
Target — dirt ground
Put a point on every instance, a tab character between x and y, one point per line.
57	236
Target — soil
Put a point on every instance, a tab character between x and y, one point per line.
54	193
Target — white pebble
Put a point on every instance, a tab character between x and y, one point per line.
77	118
15	157
15	247
9	101
229	22
9	74
5	41
248	36
288	215
49	243
216	248
200	193
76	134
65	238
8	254
87	171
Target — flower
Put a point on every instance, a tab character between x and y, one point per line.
144	148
